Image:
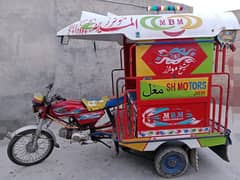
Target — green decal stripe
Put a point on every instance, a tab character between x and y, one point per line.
207	64
87	26
145	91
211	141
166	94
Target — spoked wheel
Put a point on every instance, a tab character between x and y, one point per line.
171	162
22	152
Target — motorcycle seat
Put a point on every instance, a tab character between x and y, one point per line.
114	102
94	104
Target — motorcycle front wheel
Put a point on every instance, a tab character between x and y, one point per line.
21	151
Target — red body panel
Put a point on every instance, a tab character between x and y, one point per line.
174	116
77	110
174	59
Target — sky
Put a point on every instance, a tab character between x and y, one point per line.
211	5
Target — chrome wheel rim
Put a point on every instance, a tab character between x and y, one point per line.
24	151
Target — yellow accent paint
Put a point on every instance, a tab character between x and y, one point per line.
93	105
135	143
196	25
38	98
135	140
163	82
142	67
174	88
135	146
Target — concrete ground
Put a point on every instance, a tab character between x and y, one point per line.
94	162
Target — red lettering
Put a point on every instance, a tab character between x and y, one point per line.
183	86
171	86
180	21
162	22
171	21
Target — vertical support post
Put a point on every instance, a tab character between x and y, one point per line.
227	101
216	57
213	113
121	57
220	106
224	58
131	60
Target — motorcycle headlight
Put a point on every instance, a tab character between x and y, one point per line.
37	102
38	99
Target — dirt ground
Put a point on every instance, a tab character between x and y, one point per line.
95	162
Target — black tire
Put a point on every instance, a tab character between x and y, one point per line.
171	162
29	134
125	149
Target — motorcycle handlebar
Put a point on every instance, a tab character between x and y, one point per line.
56	97
50	86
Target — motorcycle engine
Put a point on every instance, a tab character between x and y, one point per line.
65	133
80	136
75	135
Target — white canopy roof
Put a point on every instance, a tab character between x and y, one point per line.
149	27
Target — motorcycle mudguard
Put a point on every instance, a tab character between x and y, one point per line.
29	127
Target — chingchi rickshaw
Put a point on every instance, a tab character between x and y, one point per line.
168	101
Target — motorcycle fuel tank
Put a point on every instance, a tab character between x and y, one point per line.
76	109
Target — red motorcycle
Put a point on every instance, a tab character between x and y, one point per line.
79	119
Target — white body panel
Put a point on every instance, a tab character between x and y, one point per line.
149	27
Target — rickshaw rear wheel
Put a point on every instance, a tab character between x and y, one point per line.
171	162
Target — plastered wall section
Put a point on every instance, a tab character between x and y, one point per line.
31	56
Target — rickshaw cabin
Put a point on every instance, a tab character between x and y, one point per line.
169	62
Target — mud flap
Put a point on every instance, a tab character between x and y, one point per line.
193	158
221	151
